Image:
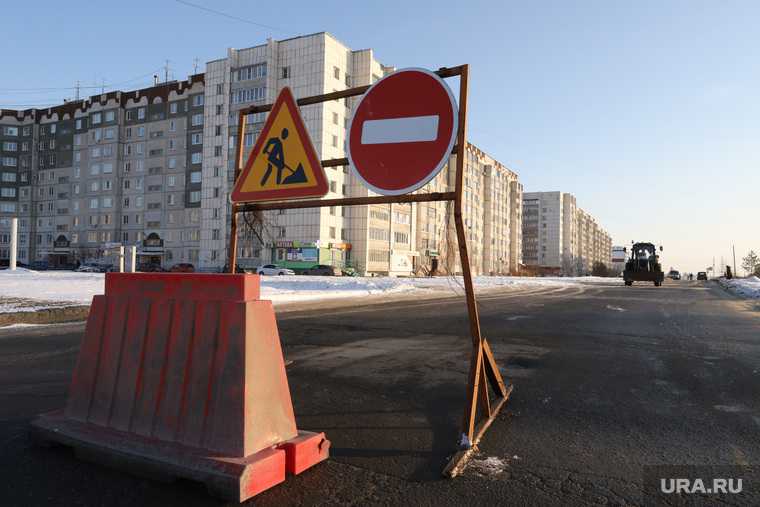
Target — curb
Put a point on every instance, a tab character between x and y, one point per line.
46	316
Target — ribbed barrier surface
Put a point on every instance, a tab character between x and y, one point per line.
191	362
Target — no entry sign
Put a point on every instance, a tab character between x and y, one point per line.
402	132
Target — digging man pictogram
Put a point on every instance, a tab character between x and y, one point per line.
276	158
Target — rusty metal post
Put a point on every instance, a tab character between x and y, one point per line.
482	363
232	254
468	424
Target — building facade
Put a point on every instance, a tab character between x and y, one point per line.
154	168
118	168
559	237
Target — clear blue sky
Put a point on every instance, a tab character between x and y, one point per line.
649	112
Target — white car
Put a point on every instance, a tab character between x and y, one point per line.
88	268
271	269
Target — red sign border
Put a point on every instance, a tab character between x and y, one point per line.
434	172
285	98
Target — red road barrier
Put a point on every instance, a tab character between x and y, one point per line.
184	373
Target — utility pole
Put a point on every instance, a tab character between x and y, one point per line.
733	247
14	244
77	91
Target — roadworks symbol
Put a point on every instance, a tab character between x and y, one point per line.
283	164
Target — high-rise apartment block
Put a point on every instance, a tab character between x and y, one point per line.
560	237
154	168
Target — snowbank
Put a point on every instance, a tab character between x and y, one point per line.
745	287
73	287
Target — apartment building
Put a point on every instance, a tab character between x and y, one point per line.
559	237
154	168
492	213
117	168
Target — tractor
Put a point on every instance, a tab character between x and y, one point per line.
643	265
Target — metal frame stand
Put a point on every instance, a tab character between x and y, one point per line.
482	362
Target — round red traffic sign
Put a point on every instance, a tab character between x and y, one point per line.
402	131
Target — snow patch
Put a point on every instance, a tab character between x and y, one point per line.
744	287
54	288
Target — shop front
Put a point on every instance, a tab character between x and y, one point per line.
60	256
152	254
300	255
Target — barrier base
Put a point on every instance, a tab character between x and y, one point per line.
231	478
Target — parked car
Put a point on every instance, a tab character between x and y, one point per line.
271	269
88	268
151	268
40	265
701	275
323	270
183	267
674	275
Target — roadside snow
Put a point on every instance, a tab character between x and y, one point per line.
51	288
745	287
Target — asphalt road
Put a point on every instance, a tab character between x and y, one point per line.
607	379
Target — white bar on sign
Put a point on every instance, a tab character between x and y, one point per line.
412	129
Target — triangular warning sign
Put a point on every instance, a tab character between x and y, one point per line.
283	164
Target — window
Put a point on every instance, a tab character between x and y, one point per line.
248	94
195	177
94	186
250	72
7	192
332	232
78	124
10	146
108	133
12	162
172	145
335	141
401	237
285	72
95	169
140	131
196	138
333	186
218	130
172	109
196	158
10	131
172	162
219	89
195	196
107	167
219	109
336	72
170	200
378	234
218	151
93	203
141	113
196	120
9	177
110	115
106	184
171	180
95	118
335	118
197	100
107	203
130	115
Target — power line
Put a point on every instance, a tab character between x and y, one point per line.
59	88
230	16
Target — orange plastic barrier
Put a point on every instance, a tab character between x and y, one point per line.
184	373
